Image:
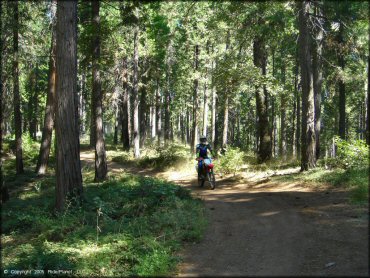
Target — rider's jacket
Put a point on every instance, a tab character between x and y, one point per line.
202	149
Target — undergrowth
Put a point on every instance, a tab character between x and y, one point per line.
355	179
155	157
127	226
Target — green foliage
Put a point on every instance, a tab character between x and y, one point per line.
164	157
231	161
354	179
30	148
159	158
127	226
350	154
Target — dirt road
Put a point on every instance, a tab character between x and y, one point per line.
267	228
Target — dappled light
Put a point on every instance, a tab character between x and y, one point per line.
184	138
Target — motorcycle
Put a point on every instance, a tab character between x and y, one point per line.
207	173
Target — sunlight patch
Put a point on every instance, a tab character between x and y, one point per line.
269	213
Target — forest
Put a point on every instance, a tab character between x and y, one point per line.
103	104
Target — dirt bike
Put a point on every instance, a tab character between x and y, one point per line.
207	173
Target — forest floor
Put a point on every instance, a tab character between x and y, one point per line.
262	225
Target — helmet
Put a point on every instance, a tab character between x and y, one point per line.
203	139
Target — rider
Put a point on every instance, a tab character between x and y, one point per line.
202	151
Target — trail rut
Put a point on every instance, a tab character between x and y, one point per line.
268	228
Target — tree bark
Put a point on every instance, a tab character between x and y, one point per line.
125	108
283	101
194	137
143	108
136	90
68	165
213	115
97	96
213	125
16	95
154	121
187	119
226	121
342	88
308	155
4	188
205	110
47	130
317	80
167	116
294	118
264	149
116	124
182	127
33	101
167	110
368	97
159	113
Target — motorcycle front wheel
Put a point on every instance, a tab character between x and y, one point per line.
200	182
211	179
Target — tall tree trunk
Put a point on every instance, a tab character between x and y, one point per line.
125	108
97	105
158	99
4	188
308	156
283	101
143	108
154	121
226	121
167	116
194	137
213	115
118	103
368	97
187	125
342	88
47	131
116	124
294	114
182	127
136	90
81	103
273	128
299	135
17	100
273	119
167	111
1	98
33	101
317	80
205	110
92	124
259	57
213	125
68	165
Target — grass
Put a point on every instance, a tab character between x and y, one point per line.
354	179
158	158
127	226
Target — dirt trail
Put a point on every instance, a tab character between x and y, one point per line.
265	228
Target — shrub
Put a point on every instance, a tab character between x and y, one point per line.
350	154
127	226
231	161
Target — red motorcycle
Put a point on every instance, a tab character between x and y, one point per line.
207	173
